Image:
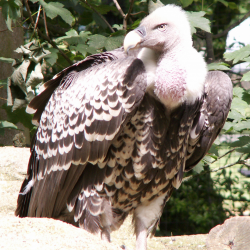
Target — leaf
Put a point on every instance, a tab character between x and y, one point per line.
53	9
243	125
186	3
84	49
232	6
7	60
110	43
238	55
114	42
99	21
218	66
238	91
135	24
244	149
199	167
246	77
11	11
35	77
30	95
197	20
19	115
119	33
247	60
239	105
235	115
214	151
73	38
118	26
23	49
242	141
223	2
20	73
102	9
6	124
38	53
152	6
19	103
3	82
52	57
228	127
97	41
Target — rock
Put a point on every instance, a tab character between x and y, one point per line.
45	234
232	234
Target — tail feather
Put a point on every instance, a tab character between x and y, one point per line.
26	188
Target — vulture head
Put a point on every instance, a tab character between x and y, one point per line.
176	72
164	29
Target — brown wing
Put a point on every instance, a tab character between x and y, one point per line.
212	117
81	119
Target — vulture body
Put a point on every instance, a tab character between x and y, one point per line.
118	129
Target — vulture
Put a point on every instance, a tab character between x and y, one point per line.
117	130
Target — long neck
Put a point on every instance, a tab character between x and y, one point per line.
171	78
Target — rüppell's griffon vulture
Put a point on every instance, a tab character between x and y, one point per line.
117	130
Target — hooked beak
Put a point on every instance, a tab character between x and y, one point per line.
133	38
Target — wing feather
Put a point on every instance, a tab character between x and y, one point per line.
78	125
212	117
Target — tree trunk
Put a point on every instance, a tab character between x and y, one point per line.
9	41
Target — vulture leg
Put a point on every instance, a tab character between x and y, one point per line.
105	234
106	222
141	234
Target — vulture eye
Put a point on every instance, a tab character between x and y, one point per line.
162	27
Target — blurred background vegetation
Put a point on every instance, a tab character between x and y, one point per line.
39	38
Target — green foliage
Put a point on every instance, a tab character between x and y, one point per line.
11	11
152	6
242	54
6	124
19	115
218	66
26	76
197	20
7	60
54	9
186	3
239	116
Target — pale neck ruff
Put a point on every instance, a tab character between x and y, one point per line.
175	77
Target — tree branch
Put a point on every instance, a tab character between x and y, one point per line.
38	15
45	23
6	29
228	152
137	13
125	20
210	48
130	9
56	29
44	36
119	8
224	33
125	17
215	169
100	15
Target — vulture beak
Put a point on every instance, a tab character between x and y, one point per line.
133	38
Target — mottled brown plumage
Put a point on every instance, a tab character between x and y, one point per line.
117	131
